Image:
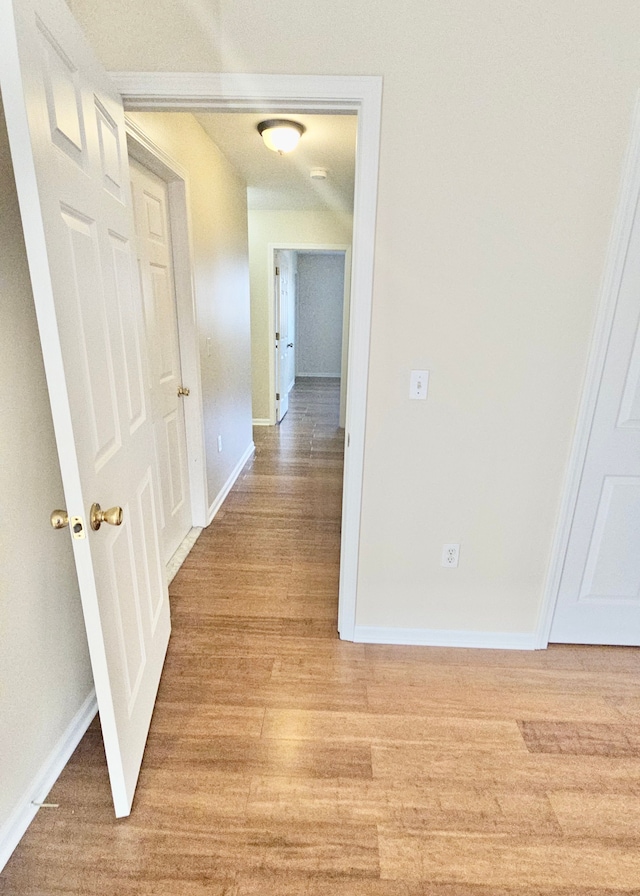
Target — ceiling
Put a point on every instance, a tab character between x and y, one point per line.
283	182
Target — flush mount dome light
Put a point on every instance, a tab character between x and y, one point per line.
281	135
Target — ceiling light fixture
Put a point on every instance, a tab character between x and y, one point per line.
281	135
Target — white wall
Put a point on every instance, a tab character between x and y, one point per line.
218	206
282	228
45	675
320	305
504	126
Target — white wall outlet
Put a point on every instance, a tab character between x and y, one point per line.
219	443
419	384
450	555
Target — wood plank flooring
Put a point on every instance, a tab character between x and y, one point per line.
284	762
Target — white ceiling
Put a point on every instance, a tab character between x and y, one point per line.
283	182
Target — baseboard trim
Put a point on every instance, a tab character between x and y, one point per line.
370	634
226	488
25	811
262	421
182	552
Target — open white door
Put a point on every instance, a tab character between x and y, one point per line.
599	594
282	290
67	135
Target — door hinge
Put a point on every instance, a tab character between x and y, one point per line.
277	337
277	396
277	272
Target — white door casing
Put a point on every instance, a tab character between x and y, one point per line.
361	94
67	136
155	252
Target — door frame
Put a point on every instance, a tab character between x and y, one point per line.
362	94
627	202
147	153
271	310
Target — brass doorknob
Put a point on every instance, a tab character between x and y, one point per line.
113	516
183	390
59	519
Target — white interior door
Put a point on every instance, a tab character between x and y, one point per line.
67	135
167	396
282	287
599	595
290	373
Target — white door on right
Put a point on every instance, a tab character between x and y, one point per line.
599	596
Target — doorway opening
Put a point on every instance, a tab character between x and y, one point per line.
291	94
310	298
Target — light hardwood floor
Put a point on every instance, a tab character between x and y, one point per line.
284	762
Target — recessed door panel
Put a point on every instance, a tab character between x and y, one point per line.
630	405
93	337
110	157
150	574
64	105
127	606
175	461
125	291
612	572
154	218
164	317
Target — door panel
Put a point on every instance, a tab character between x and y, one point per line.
92	337
127	297
630	405
67	135
155	256
612	572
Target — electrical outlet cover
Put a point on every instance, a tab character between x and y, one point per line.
450	555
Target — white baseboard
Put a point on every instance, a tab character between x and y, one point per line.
181	554
369	634
318	376
25	811
226	488
263	421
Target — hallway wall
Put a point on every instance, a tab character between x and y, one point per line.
320	300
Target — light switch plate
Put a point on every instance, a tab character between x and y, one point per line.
419	385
